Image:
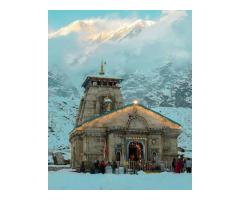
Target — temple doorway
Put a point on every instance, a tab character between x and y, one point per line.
135	151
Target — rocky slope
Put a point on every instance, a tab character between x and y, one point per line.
159	88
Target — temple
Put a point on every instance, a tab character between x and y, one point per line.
106	129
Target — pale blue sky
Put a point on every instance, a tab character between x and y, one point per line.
59	18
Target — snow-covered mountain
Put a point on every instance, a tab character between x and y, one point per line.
95	30
184	117
161	87
62	106
126	31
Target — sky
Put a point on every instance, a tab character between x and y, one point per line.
61	18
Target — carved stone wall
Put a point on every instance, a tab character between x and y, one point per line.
90	148
93	100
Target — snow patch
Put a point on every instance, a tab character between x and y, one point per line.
66	179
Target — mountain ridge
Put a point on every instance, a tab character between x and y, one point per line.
90	27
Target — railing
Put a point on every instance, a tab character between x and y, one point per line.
133	166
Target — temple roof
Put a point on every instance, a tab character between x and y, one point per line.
100	77
137	105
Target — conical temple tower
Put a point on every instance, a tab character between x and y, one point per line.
102	94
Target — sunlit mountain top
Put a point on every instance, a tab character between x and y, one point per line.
96	30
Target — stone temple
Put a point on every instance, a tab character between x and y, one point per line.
106	129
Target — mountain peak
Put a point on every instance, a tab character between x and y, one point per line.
95	29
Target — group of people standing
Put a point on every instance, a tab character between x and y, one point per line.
100	167
181	165
103	167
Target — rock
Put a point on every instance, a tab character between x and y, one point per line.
67	162
58	158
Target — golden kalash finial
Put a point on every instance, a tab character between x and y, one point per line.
101	68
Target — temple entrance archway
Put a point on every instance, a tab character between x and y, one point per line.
135	151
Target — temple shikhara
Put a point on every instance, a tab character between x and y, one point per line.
106	129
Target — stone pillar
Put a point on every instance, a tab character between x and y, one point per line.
161	146
147	149
123	156
97	107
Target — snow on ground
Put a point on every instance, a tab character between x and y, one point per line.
66	179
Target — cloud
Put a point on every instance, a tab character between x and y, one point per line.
126	44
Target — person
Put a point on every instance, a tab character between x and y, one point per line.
108	168
96	165
184	168
126	165
189	165
92	168
132	157
114	166
102	167
82	168
179	165
173	164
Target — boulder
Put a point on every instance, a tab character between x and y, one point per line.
58	158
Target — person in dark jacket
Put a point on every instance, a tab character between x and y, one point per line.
102	167
82	168
114	166
173	164
96	165
189	165
184	165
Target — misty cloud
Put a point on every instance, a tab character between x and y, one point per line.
130	44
